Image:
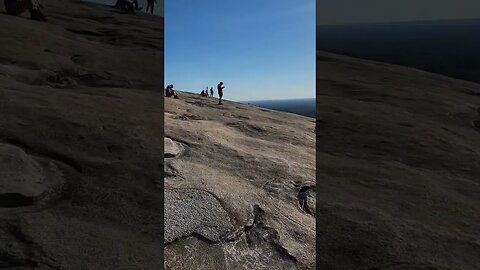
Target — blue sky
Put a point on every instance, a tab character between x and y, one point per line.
260	49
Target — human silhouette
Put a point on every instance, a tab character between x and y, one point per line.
151	4
169	91
130	6
220	92
211	91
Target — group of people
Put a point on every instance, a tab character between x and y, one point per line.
205	92
17	7
130	6
169	92
220	88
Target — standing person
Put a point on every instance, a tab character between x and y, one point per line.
211	91
151	4
220	92
206	91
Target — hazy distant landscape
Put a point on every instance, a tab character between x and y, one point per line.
448	47
305	107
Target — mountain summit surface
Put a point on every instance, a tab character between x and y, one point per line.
81	139
239	186
398	165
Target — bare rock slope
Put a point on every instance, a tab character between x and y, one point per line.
81	139
239	186
398	167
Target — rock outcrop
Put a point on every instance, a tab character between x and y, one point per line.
81	139
239	186
398	161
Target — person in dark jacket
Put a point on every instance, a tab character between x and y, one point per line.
169	91
220	88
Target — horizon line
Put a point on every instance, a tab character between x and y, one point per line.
398	22
282	99
251	100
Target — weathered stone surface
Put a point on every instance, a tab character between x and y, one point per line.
397	167
173	148
81	139
244	156
194	212
25	178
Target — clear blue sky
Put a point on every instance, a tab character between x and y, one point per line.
260	49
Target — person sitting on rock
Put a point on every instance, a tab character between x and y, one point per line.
127	6
169	91
17	7
130	6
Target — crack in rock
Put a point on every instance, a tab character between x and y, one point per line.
13	200
16	249
169	170
258	246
